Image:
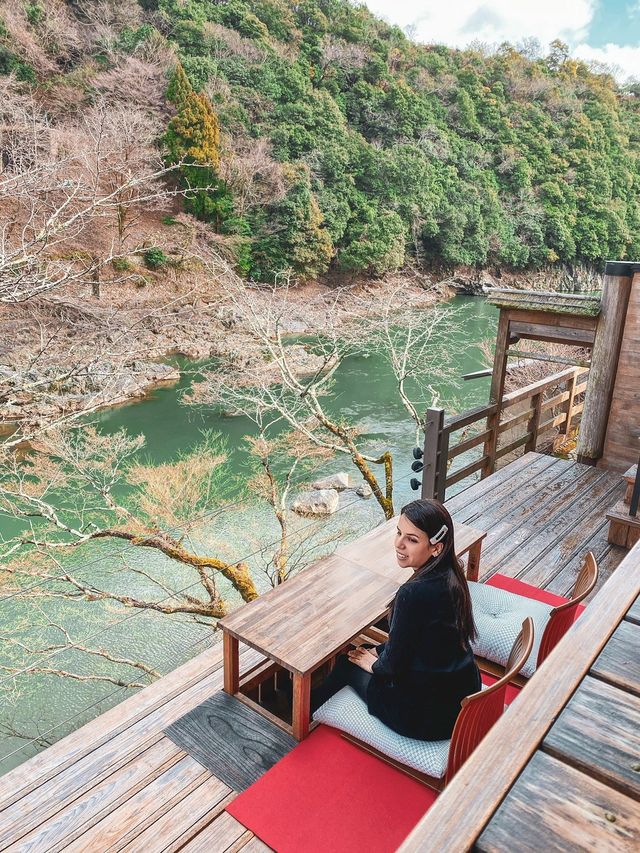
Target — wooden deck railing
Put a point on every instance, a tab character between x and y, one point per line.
439	451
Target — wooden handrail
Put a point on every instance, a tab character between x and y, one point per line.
456	422
439	450
465	472
466	806
536	387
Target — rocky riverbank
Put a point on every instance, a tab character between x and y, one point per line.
68	353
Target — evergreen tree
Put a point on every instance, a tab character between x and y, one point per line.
193	139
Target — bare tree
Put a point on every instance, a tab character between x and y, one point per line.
337	53
408	339
254	177
121	144
46	651
60	183
89	468
276	380
282	459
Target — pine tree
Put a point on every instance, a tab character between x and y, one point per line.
193	135
193	139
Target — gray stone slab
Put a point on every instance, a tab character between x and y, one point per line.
233	742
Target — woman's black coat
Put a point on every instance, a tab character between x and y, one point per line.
423	671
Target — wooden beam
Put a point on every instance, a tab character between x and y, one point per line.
554	334
534	423
541	385
548	318
433	425
469	444
538	356
509	448
471	468
496	392
604	361
456	422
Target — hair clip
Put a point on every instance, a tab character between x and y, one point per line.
439	536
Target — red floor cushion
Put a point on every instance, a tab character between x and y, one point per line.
329	794
529	591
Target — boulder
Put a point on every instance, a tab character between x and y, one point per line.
339	482
364	491
317	502
471	284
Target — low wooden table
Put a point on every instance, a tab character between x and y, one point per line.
303	623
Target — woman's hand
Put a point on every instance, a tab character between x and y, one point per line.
362	658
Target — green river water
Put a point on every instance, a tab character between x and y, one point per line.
39	709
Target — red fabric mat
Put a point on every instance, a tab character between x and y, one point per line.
328	794
528	591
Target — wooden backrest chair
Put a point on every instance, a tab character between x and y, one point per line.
559	620
478	713
482	709
563	616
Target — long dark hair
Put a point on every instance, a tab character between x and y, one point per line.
429	516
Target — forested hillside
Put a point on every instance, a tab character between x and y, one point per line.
315	137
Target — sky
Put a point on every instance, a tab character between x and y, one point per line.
603	31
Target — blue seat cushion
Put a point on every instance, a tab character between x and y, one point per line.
499	615
347	711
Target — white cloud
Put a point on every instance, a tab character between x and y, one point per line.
459	22
623	60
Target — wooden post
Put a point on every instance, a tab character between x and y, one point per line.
231	660
473	561
604	359
301	705
496	393
571	388
443	464
635	495
534	423
433	424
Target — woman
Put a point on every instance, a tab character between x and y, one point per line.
416	681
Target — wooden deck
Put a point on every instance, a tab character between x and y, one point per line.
119	784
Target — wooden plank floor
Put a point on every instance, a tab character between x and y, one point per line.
119	784
542	514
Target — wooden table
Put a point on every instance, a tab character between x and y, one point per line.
303	623
582	787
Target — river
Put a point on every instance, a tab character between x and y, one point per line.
41	708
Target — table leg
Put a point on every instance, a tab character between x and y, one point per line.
301	705
231	663
473	561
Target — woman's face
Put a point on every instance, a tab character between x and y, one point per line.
413	548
